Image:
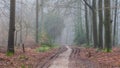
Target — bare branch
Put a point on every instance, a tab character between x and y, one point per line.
88	5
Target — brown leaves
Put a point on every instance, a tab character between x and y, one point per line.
112	58
28	59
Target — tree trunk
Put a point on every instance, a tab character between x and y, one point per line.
90	25
107	25
16	33
37	21
21	26
94	20
95	38
11	27
100	24
115	19
87	24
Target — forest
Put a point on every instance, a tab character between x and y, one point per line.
59	34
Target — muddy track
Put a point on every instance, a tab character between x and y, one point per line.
67	57
48	61
76	61
62	61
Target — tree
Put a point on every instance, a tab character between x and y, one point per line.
21	26
107	25
95	37
115	19
37	25
43	35
80	36
11	27
87	24
100	24
94	19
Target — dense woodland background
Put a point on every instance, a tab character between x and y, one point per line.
34	33
94	23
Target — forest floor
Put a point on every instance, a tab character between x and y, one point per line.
78	57
29	59
62	57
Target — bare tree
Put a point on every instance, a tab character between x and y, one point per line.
87	24
11	27
107	25
94	19
95	37
115	19
100	3
37	22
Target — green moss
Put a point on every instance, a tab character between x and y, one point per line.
54	46
43	49
107	50
9	53
23	66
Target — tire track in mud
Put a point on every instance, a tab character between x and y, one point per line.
48	61
70	57
63	59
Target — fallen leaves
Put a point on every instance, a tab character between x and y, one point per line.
28	59
112	58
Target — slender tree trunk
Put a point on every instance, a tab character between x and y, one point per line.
21	33
95	38
94	20
117	32
115	19
21	27
11	27
100	24
107	25
87	24
42	21
43	38
37	21
90	25
15	38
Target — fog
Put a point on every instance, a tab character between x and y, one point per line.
67	36
62	33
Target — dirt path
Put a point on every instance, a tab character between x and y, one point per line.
70	57
63	59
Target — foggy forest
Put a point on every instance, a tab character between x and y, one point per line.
59	34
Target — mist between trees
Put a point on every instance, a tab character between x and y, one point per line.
91	23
